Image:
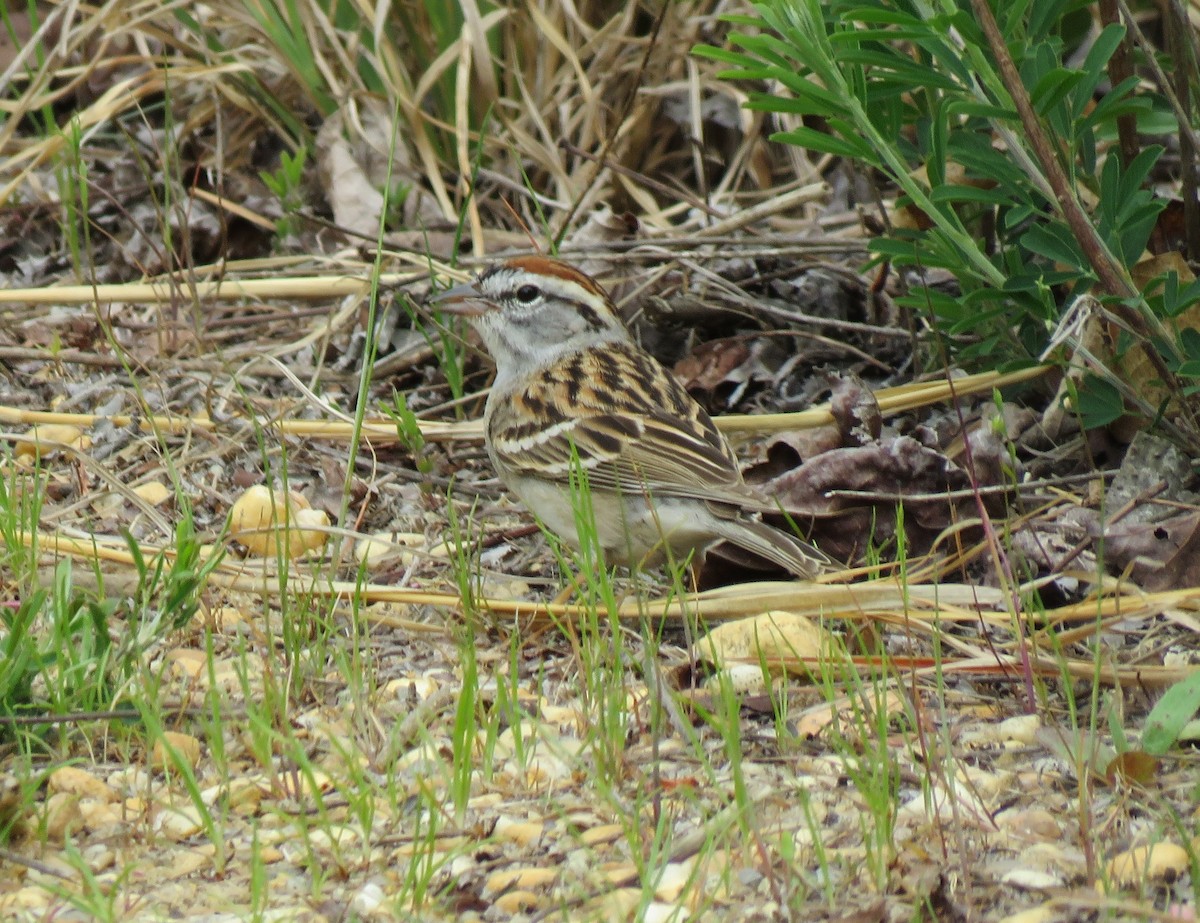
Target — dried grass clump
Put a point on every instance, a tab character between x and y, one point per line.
531	116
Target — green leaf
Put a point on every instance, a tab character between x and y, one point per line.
1096	64
1189	342
870	14
956	193
1054	242
975	152
1115	102
1169	716
898	69
1176	300
1044	17
972	109
820	141
1099	402
1134	175
723	55
1052	88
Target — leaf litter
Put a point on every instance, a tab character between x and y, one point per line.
306	750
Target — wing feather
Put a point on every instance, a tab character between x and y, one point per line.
621	417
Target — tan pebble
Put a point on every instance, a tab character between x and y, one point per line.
178	823
315	781
186	746
153	492
1032	879
605	833
615	905
80	782
523	879
99	815
187	662
675	877
772	636
1033	823
34	898
42	441
1022	729
135	806
63	816
327	839
419	687
558	715
268	854
743	679
227	618
186	862
523	833
513	902
383	546
617	872
245	795
1158	862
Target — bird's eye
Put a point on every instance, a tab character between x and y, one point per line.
528	293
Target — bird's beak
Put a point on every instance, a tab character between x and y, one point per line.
464	300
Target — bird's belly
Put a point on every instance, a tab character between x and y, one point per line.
626	527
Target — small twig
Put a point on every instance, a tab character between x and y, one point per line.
114	714
1030	489
650	183
33	865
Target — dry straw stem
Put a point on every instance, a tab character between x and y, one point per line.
919	608
316	287
380	432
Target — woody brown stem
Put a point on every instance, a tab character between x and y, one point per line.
1113	278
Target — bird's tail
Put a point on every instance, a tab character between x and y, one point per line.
793	555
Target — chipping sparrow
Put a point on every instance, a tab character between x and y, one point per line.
572	388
